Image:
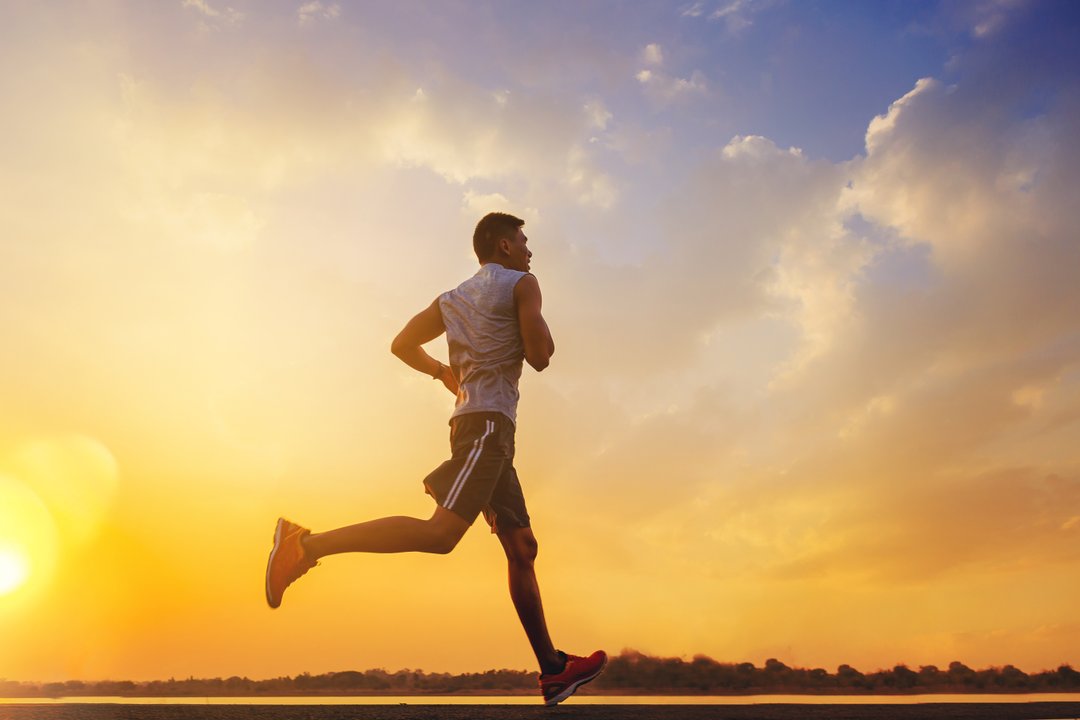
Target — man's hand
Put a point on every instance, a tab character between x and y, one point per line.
448	379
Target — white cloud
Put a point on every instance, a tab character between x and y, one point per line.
737	15
664	88
588	185
214	16
732	12
636	144
456	132
881	126
756	147
598	115
476	205
652	54
695	9
315	10
990	16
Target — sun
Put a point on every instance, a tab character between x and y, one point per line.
14	569
29	544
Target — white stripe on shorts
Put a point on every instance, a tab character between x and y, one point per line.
467	468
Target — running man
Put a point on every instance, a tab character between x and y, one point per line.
492	323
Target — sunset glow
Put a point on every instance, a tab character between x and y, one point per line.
14	569
810	269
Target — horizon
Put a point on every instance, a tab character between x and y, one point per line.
624	655
810	271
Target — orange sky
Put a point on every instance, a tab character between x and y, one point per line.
814	409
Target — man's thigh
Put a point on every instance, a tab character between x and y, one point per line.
465	483
506	509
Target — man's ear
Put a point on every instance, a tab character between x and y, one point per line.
504	246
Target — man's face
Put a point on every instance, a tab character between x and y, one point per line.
517	252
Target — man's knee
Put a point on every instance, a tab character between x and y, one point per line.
445	541
447	529
521	546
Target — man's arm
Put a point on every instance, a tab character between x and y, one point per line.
423	328
539	347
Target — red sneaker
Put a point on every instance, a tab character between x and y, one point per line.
287	561
578	671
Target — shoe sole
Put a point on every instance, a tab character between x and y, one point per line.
270	563
571	689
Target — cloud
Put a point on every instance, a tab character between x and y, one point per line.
989	16
665	89
463	134
736	15
693	10
598	115
756	148
589	186
952	330
475	205
662	87
880	128
652	54
733	12
311	11
933	354
213	17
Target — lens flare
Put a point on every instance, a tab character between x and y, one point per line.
75	476
28	543
14	569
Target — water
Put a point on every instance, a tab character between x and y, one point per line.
578	699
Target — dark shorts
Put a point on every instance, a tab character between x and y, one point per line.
480	475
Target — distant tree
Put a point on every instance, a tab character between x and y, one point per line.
901	677
1012	678
849	677
1065	677
961	675
775	666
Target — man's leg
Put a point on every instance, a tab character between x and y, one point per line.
438	534
296	550
520	547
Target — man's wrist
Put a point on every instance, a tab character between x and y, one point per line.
437	375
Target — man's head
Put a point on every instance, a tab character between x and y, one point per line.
498	238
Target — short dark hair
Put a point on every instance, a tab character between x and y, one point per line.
492	228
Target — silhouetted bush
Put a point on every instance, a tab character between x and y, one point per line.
629	672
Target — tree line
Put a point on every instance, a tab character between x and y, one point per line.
630	672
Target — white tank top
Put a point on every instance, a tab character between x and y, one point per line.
486	349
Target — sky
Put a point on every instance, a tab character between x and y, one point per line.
810	268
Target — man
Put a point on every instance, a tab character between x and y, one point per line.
492	323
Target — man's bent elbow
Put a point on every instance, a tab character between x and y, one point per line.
539	362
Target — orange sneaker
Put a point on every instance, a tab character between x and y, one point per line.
287	561
578	671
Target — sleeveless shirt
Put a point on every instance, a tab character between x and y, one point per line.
486	349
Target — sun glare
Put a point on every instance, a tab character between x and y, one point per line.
28	542
14	569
